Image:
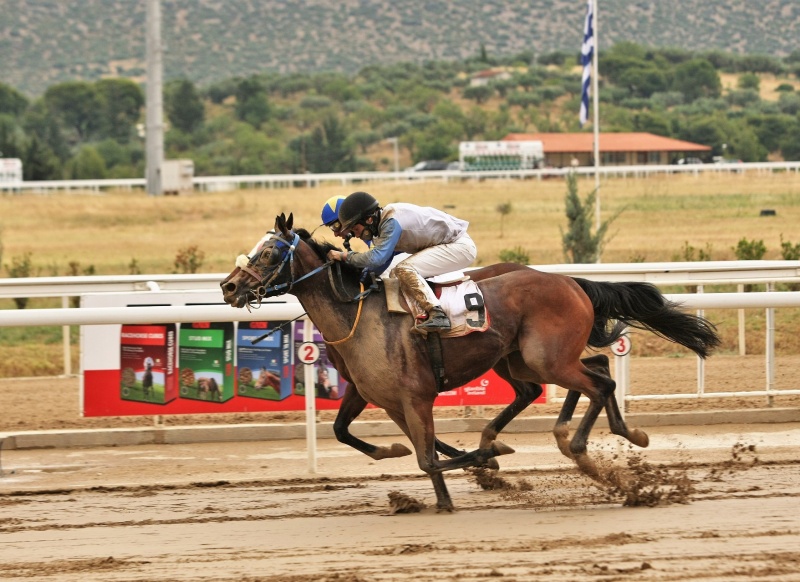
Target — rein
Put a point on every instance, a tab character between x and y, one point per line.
288	257
355	323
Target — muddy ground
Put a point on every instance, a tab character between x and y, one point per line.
703	503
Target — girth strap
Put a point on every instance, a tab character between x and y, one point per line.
434	343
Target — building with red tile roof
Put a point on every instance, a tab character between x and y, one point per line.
616	149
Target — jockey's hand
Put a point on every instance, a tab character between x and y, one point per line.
337	255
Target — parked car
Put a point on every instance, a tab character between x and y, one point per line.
427	166
690	161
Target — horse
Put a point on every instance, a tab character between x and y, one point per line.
540	325
209	386
147	378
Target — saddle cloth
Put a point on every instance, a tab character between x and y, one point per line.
461	300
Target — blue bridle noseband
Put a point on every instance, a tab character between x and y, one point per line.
287	249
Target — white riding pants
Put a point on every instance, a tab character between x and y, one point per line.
437	260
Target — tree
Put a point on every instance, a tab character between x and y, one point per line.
39	162
39	121
326	149
122	102
749	81
252	105
12	102
480	93
503	209
11	137
87	165
183	105
78	105
697	78
578	243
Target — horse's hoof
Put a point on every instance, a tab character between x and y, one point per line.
501	448
639	438
392	452
445	508
492	464
587	467
398	450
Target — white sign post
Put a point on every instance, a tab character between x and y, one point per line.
308	353
622	366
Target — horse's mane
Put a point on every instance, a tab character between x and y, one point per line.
321	248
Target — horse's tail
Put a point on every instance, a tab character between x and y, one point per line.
642	306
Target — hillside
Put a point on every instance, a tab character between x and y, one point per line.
44	42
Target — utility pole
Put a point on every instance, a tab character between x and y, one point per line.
154	122
393	141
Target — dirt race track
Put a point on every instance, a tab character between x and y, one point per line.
704	502
725	508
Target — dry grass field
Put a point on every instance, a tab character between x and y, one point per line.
658	217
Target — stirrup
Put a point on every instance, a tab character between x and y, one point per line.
437	321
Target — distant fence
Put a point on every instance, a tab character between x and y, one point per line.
224	183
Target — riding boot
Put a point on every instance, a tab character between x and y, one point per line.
421	292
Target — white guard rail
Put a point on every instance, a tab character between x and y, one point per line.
223	183
662	274
181	314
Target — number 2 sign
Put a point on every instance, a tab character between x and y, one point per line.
308	352
622	346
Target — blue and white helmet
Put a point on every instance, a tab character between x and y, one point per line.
330	212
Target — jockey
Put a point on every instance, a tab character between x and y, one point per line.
436	241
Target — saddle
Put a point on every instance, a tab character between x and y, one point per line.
460	297
461	300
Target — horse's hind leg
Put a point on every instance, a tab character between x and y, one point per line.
351	406
561	429
616	422
603	391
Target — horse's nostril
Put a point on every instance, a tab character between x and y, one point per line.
228	287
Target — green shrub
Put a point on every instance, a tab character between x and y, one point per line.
189	260
789	252
516	255
687	253
750	250
20	267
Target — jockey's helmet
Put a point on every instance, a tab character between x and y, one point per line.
356	208
330	212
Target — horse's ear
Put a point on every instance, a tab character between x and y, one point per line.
280	220
290	221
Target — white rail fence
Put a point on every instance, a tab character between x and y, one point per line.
224	183
699	275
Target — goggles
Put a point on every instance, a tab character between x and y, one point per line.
335	225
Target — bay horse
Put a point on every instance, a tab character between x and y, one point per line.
540	325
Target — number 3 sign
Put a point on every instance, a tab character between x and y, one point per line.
622	346
308	352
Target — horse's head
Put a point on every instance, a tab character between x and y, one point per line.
280	260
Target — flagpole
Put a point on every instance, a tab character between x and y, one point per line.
596	123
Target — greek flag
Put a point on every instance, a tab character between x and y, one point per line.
587	51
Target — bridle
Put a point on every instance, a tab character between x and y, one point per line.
265	288
287	249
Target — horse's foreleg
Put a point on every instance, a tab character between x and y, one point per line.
352	405
525	393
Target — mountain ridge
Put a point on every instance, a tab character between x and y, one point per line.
44	42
